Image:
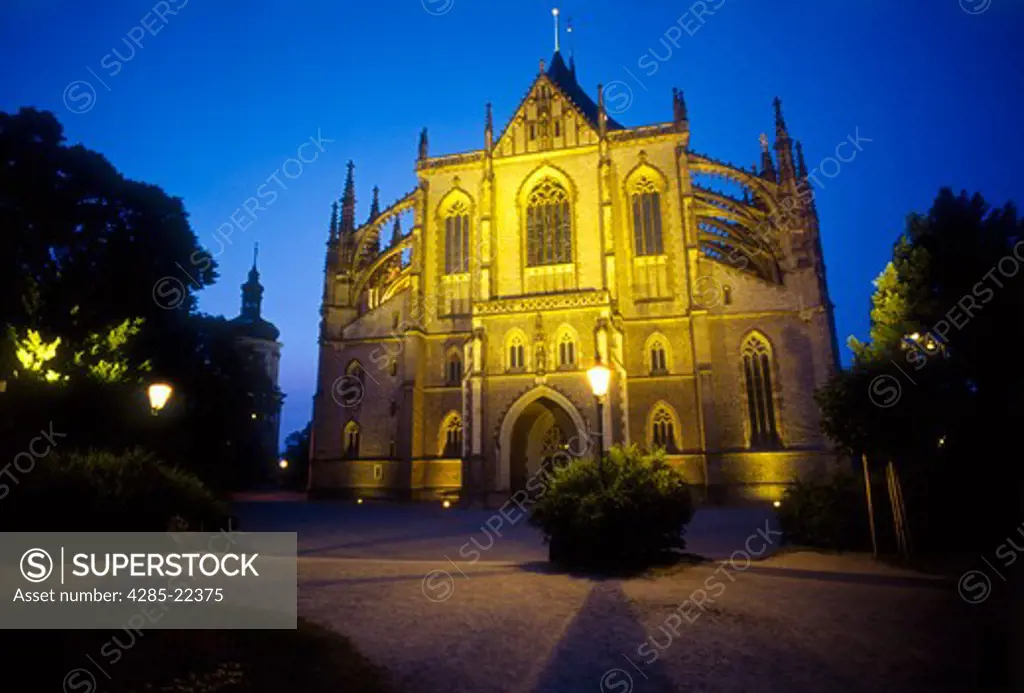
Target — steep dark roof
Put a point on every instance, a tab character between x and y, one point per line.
559	73
257	329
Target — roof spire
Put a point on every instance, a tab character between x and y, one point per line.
780	122
554	13
767	165
252	290
679	115
332	234
348	201
424	147
255	253
801	165
396	231
488	128
783	145
375	205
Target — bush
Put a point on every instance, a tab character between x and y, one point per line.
633	518
103	491
829	514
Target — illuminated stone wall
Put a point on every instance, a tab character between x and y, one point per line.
609	300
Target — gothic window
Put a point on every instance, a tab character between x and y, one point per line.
566	351
659	363
548	225
646	218
451	436
355	370
516	353
453	371
349	390
757	373
558	128
662	428
350	444
456	239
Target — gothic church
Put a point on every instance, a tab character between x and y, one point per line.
454	349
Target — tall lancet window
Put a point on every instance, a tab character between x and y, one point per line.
757	372
548	225
456	239
646	218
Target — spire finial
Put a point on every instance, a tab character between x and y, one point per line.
780	122
255	253
554	13
423	144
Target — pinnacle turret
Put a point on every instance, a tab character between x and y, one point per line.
348	202
767	165
783	146
332	235
424	144
375	204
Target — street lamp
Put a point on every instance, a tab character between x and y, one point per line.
283	464
600	376
159	393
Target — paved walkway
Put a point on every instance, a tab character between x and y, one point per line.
394	580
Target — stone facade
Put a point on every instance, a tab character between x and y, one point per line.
453	357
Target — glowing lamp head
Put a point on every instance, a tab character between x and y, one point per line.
359	501
777	504
447	504
554	11
159	393
599	376
283	464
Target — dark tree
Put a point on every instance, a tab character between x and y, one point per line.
110	267
936	388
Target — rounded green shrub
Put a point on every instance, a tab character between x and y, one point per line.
102	491
630	512
828	513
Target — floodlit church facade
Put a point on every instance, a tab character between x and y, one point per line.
458	323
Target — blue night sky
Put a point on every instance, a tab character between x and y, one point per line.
213	104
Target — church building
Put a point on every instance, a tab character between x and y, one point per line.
458	323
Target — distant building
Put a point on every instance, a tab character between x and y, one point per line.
258	338
453	357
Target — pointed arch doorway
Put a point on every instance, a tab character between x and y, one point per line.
541	423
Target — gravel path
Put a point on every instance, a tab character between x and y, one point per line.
793	622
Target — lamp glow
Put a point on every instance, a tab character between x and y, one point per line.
446	504
283	464
599	376
159	393
359	501
777	504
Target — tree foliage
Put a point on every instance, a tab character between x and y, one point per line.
82	327
935	387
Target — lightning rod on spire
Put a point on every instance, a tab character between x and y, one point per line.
554	13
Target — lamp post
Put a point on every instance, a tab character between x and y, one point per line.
600	376
159	393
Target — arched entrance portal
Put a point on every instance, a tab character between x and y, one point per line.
541	423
